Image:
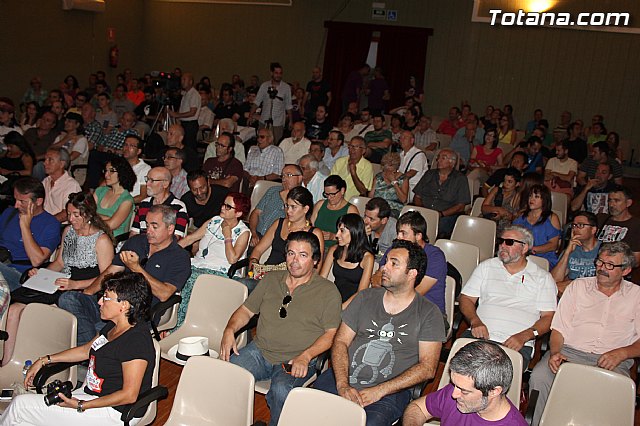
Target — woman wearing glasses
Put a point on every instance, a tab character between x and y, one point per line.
351	260
121	362
390	183
115	203
326	212
543	223
223	240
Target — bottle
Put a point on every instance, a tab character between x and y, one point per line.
27	365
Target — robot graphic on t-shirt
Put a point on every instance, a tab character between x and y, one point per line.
375	353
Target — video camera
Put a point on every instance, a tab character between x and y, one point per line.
167	82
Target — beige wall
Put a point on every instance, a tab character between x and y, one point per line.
582	71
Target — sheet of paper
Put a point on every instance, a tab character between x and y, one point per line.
44	281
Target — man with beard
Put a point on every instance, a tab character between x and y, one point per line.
389	340
596	323
516	298
620	224
203	201
595	194
481	374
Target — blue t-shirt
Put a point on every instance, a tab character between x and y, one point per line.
542	233
581	262
442	405
44	227
437	269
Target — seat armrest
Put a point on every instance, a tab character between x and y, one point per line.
242	263
531	407
145	398
159	309
49	370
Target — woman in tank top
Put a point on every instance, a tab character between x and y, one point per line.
326	212
351	259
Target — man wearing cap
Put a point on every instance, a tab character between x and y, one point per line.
299	315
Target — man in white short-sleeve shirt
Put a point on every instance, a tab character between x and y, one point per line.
413	161
131	151
516	298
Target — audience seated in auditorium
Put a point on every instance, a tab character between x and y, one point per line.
593	196
485	158
379	226
27	232
58	184
600	153
222	241
264	160
391	184
445	190
577	259
131	151
350	260
156	255
596	323
619	224
203	201
560	171
481	374
114	201
175	138
503	201
356	170
378	139
544	224
336	148
466	137
174	158
384	389
18	159
412	227
158	182
509	314
271	206
224	169
312	178
326	212
295	146
290	331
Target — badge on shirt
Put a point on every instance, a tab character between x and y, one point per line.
99	342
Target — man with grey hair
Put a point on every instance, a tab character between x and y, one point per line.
445	190
58	184
312	178
481	374
158	182
597	322
174	159
516	298
156	255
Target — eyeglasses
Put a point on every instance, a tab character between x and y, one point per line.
228	206
284	175
106	299
580	225
509	241
169	157
599	263
283	309
330	194
148	179
219	145
355	146
111	170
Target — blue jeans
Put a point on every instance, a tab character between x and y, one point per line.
87	312
250	358
11	275
381	413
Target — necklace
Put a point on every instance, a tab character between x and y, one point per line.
306	225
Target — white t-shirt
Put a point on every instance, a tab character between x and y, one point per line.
508	304
293	152
555	165
191	99
140	169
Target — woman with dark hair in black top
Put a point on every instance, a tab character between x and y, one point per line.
351	259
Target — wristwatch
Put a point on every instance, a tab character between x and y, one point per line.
79	409
535	332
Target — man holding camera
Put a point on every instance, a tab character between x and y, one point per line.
275	97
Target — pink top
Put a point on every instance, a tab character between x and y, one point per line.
592	322
489	160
